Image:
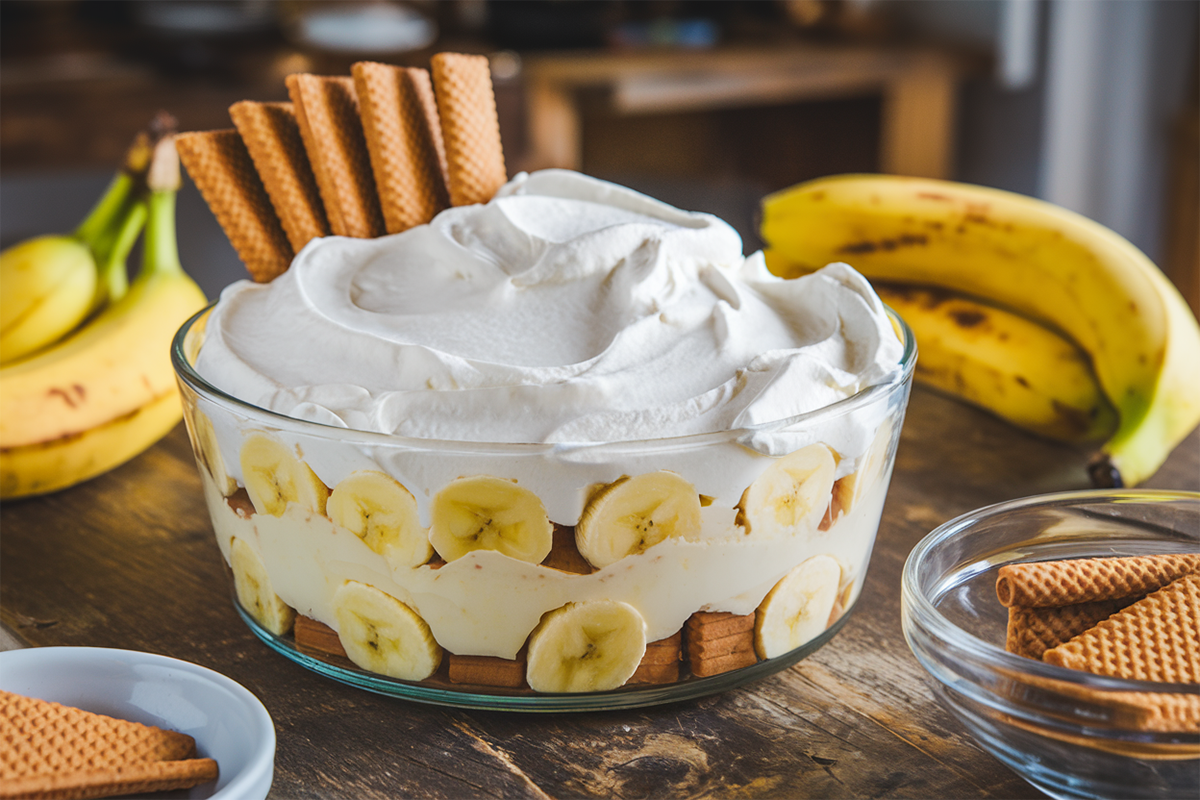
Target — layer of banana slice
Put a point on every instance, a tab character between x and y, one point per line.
791	495
254	592
631	515
274	477
798	607
208	452
590	646
853	487
377	508
383	635
487	513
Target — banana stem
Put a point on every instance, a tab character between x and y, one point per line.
160	250
102	226
114	277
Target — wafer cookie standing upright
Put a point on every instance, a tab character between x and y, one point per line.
399	119
327	112
1155	639
272	137
470	127
1060	583
223	171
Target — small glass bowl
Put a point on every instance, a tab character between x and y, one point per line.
1065	731
477	600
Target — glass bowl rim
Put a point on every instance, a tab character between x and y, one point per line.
188	375
918	609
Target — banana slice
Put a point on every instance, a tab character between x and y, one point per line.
274	478
591	646
383	635
631	515
208	452
254	591
853	487
798	607
791	495
486	513
377	508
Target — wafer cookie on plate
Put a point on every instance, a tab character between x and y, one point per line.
327	112
1061	583
223	171
404	139
272	137
1033	631
470	127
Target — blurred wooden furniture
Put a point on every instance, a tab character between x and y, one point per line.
918	87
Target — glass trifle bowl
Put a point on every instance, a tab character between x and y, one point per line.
565	450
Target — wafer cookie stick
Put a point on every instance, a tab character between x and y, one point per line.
272	138
1033	631
327	113
470	128
1155	639
1061	583
223	171
403	139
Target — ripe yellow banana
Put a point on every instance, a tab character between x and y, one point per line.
1042	261
1017	369
113	369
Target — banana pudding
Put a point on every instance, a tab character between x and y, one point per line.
567	440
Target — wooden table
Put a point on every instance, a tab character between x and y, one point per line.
128	560
918	86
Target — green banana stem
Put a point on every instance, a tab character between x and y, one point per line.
114	277
160	251
102	226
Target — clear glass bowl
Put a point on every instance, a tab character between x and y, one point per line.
1065	731
488	604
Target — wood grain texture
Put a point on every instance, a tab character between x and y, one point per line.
128	560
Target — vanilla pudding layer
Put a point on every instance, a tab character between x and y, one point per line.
569	312
486	603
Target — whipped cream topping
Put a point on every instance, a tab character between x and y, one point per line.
566	310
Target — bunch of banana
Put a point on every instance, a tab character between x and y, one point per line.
1083	285
106	391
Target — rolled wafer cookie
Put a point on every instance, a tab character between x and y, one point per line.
404	137
1060	583
223	171
470	127
1033	631
327	112
272	137
1155	639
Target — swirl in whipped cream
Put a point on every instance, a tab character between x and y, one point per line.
565	310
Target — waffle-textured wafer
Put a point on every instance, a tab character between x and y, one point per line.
719	642
507	673
1061	583
135	778
1155	639
1033	631
564	555
30	727
313	636
327	113
272	138
403	139
224	173
470	127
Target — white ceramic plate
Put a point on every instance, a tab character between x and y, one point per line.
228	723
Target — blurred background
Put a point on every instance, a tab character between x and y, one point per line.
1092	104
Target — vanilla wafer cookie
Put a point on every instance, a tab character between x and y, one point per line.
1061	583
42	737
508	673
133	778
1033	631
223	171
718	642
272	138
403	139
1155	639
327	112
313	636
470	127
